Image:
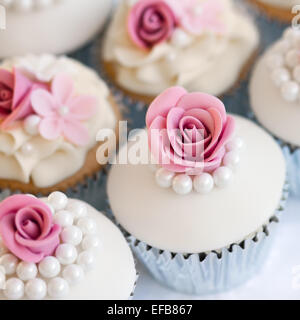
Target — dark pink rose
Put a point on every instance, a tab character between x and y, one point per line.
151	22
193	130
27	229
15	90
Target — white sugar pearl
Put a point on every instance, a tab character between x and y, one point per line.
279	76
66	253
31	125
86	260
73	274
63	218
71	235
232	160
180	38
275	61
58	200
164	177
23	5
26	270
36	289
58	288
14	289
296	73
77	209
290	91
203	183
222	176
87	225
90	241
49	267
236	143
27	149
292	58
171	56
9	262
182	184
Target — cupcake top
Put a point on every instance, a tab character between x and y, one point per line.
60	248
275	88
218	178
50	111
199	44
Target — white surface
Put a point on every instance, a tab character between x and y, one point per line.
275	281
171	222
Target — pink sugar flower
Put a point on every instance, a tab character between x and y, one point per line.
198	17
62	112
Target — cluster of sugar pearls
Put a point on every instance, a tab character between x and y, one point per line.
204	183
28	5
284	65
54	274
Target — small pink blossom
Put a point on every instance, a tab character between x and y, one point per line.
62	112
197	17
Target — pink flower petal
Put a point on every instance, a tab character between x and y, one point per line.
62	88
82	107
43	103
75	132
7	78
163	103
7	232
50	128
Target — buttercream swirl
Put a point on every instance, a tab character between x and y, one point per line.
210	61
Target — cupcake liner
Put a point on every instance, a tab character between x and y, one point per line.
88	190
214	271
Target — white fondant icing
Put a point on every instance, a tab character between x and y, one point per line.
106	280
53	161
279	116
60	28
214	71
193	224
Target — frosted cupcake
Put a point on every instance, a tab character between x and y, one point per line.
203	221
50	112
275	97
277	9
39	26
60	248
199	44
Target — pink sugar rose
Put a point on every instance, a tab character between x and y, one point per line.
188	131
15	90
27	228
151	22
62	111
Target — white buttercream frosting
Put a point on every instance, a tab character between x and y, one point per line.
193	224
209	62
50	162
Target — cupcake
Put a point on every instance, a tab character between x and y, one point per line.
277	9
53	26
50	112
202	221
275	98
203	45
61	248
